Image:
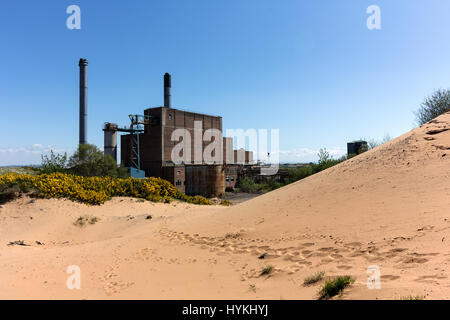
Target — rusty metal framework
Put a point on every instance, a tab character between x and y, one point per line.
137	121
135	129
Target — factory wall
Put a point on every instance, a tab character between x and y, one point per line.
231	176
158	144
207	180
175	175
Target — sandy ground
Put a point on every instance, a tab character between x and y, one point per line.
388	207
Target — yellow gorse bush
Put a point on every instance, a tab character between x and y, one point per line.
96	190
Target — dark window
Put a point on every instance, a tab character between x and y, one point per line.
178	183
170	117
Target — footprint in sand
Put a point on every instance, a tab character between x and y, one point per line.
430	278
353	244
308	244
410	260
389	277
344	267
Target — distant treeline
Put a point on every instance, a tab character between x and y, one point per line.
295	173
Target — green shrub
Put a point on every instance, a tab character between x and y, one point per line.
433	106
314	278
9	194
267	270
89	161
225	202
335	286
96	190
298	173
55	162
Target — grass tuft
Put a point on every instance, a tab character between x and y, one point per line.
225	202
94	220
82	220
314	278
267	270
335	286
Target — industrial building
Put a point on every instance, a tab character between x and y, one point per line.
356	147
146	149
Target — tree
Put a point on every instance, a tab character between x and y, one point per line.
386	138
89	161
433	106
324	156
372	143
55	162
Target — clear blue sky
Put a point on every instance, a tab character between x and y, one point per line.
310	68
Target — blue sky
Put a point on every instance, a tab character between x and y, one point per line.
309	68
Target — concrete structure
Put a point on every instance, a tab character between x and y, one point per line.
354	147
156	146
207	180
83	63
110	139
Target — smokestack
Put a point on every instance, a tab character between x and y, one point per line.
167	89
83	100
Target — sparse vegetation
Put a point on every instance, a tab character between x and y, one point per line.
314	278
9	194
248	185
372	143
20	170
433	106
267	270
83	220
417	297
94	220
167	200
225	202
18	243
252	287
335	286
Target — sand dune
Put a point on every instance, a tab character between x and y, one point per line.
388	207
